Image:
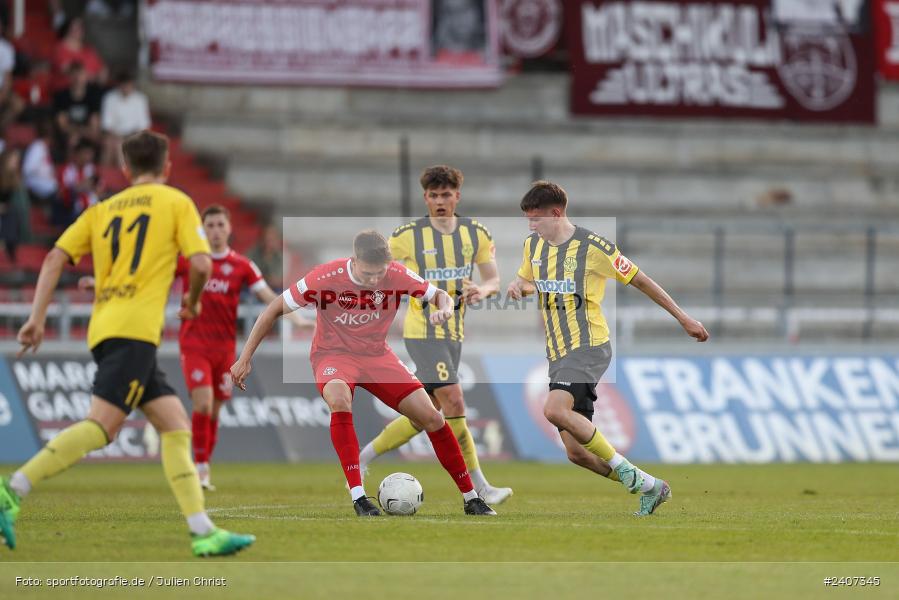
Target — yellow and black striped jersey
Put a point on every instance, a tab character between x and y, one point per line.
134	238
571	282
444	259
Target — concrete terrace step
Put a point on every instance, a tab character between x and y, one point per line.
607	143
336	186
529	98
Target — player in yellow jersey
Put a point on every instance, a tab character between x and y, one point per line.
444	249
134	238
567	266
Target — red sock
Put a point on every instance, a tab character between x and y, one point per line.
343	437
213	436
200	426
450	456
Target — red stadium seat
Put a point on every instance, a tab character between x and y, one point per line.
19	135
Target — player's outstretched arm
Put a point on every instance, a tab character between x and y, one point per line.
199	274
240	370
645	284
444	305
489	283
520	287
267	294
32	332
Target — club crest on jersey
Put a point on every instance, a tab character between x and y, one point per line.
570	264
467	251
196	375
227	269
623	265
329	371
377	297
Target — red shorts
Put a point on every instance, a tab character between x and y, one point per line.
385	376
210	368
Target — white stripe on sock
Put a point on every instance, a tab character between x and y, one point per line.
20	484
200	523
357	492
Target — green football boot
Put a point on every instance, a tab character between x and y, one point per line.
9	510
650	501
630	476
220	543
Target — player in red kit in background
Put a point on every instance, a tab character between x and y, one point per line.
208	341
356	300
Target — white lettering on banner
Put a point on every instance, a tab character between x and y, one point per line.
886	381
59	406
279	30
705	54
48	376
821	409
644	371
5	411
684	379
808	378
673	32
275	411
770	386
855	382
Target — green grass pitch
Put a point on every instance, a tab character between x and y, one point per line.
563	530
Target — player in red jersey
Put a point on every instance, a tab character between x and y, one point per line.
356	301
207	341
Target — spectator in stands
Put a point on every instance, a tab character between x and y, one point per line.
76	109
38	170
125	111
268	255
14	203
80	180
58	15
72	48
11	106
7	55
34	90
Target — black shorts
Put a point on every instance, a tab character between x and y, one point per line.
127	373
436	362
578	372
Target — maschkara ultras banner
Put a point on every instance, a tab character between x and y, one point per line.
415	43
779	59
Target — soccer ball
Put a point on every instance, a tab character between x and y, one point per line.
400	494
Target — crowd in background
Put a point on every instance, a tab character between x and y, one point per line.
62	118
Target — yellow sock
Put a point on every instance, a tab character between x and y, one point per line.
466	442
600	446
63	451
398	432
181	472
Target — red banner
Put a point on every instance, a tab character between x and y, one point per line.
416	43
886	22
779	59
